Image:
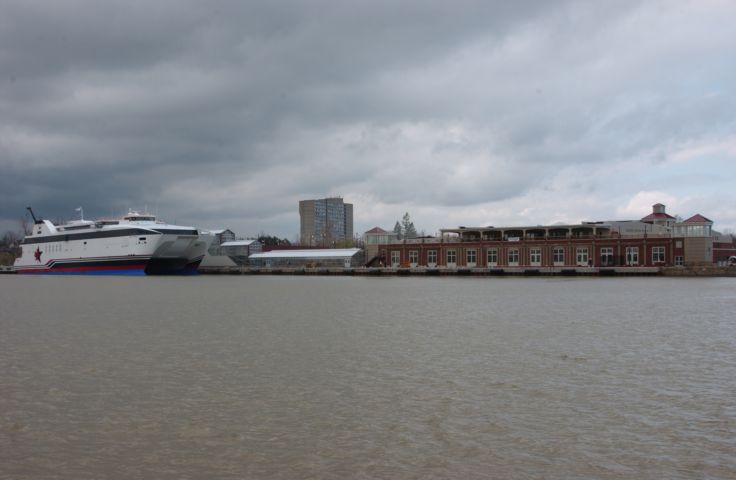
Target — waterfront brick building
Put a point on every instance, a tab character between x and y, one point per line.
652	242
536	247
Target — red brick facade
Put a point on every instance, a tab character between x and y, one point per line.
537	253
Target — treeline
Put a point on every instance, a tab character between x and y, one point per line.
9	248
272	240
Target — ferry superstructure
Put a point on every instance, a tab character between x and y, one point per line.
136	244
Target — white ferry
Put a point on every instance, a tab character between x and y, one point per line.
136	244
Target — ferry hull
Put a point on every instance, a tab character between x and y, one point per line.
102	266
132	267
128	267
172	266
118	271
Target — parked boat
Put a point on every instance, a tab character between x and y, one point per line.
136	244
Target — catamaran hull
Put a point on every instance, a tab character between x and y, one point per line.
172	266
91	266
168	266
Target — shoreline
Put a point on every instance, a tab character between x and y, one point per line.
696	271
699	271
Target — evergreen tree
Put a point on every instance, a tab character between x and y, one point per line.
408	227
398	231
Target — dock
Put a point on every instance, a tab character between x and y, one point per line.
437	272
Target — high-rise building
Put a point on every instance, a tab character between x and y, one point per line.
325	221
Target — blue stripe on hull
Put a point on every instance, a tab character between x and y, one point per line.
126	273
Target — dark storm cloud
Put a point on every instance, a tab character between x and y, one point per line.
233	111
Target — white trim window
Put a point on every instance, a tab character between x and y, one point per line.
451	258
470	257
492	256
581	256
606	256
558	256
632	256
431	258
535	256
679	261
513	257
657	254
395	258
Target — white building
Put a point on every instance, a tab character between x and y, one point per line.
318	257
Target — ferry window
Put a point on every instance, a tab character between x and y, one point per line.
658	255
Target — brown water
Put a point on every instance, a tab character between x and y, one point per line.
333	378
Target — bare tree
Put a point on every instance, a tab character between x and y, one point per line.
10	238
25	225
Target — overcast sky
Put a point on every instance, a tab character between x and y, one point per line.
226	114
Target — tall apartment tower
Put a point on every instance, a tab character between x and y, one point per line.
325	221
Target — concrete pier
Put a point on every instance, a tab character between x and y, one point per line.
423	271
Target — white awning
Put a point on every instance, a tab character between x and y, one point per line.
312	253
238	243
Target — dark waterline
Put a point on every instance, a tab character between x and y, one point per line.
322	377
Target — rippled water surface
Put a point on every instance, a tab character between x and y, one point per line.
341	377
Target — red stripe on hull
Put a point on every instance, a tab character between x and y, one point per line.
90	268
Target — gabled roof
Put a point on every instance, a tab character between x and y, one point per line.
658	216
376	230
698	218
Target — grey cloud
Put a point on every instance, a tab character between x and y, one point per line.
235	109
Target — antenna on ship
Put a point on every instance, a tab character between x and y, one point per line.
81	212
35	221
